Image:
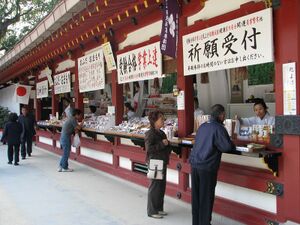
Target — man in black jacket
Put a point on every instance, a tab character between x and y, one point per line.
12	135
211	140
28	122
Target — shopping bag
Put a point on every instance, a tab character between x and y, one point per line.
155	169
76	141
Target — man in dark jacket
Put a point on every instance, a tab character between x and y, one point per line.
28	122
211	140
12	135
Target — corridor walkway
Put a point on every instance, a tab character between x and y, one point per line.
34	193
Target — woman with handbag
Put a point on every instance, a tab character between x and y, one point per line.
156	145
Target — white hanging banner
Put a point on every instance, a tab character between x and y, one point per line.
62	83
22	93
91	72
289	88
245	41
42	89
140	64
109	56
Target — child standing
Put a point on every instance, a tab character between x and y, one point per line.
12	136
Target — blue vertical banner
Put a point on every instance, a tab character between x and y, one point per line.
169	30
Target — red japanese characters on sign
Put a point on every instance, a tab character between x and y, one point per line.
140	64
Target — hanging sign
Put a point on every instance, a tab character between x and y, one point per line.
241	42
289	88
140	64
22	93
62	83
169	31
109	56
42	89
180	101
91	72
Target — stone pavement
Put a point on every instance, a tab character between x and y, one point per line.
34	193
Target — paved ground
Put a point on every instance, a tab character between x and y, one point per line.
34	193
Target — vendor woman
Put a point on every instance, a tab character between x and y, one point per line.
262	115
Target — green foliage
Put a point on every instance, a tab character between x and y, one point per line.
261	74
4	112
18	17
168	82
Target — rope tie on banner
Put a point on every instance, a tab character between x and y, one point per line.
268	3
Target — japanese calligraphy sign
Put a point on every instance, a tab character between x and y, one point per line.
289	88
42	89
169	31
62	83
91	72
109	56
244	41
144	63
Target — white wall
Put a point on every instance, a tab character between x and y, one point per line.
7	99
215	8
214	92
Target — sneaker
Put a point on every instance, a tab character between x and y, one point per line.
23	157
163	213
59	169
156	216
67	170
16	164
9	162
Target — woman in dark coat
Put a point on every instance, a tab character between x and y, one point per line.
156	144
12	136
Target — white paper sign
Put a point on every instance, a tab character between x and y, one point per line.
289	88
50	80
140	64
109	56
91	72
111	110
62	83
244	41
180	101
42	89
44	73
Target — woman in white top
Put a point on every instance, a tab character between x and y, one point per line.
128	109
262	115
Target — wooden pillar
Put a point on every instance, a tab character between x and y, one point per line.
38	104
186	116
54	97
287	49
117	101
184	83
78	96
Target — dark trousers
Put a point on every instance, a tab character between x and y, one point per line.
156	194
11	151
203	195
28	148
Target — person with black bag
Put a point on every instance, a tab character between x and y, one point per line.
156	145
12	136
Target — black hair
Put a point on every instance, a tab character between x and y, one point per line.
216	111
12	117
129	106
261	102
154	116
24	107
76	112
93	108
